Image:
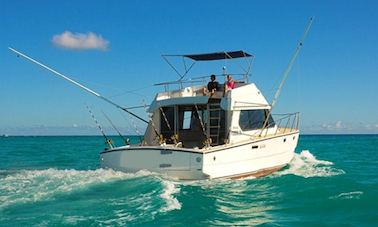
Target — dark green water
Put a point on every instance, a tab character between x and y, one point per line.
55	181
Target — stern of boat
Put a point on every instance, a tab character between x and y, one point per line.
185	164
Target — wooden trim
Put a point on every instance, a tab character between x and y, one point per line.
257	174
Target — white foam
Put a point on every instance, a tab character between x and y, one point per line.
74	220
36	185
306	165
348	195
312	159
169	188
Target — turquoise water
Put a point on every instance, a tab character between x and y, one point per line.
44	181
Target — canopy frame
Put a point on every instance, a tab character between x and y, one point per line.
223	55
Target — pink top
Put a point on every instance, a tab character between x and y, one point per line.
230	84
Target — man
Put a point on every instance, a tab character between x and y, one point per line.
213	85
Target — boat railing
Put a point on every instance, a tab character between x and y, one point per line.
286	122
187	92
283	123
239	78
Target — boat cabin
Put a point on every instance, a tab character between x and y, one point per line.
194	125
191	118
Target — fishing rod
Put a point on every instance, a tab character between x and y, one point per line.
107	140
165	118
76	83
126	140
158	135
208	139
287	71
132	124
174	137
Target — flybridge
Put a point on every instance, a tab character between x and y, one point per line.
213	56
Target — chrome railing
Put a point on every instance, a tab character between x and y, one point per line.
286	122
199	80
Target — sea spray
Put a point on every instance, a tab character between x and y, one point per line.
169	188
35	185
306	165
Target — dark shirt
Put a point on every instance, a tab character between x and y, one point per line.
213	85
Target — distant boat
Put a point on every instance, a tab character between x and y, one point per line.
5	135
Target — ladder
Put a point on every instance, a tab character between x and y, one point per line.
214	122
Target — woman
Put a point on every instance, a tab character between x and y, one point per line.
230	84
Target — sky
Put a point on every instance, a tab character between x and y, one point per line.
115	47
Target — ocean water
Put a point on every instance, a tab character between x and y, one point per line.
56	181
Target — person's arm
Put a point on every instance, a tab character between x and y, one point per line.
217	88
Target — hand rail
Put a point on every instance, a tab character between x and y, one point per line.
291	119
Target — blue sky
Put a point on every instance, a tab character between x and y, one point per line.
333	84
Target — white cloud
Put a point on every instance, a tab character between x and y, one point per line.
338	125
80	41
326	126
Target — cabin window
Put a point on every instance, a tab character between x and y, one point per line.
190	118
254	119
187	119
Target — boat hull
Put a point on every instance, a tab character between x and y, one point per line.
256	158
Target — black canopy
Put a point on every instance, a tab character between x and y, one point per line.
218	55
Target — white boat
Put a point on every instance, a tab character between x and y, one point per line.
194	135
191	135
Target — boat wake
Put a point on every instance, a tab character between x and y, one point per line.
172	203
36	185
30	186
306	165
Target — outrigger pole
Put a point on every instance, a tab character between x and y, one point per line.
288	69
76	83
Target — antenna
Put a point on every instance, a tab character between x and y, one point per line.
76	83
288	69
